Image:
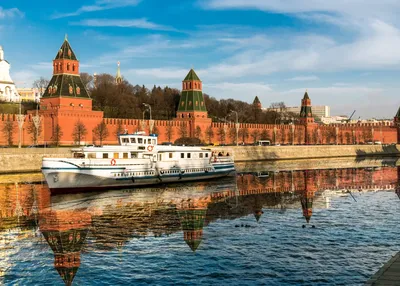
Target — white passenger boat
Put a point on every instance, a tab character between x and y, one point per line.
137	161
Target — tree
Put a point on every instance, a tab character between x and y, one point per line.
57	135
169	132
101	132
300	136
244	134
79	132
209	134
155	130
348	137
232	134
283	136
87	80
315	136
197	132
183	132
221	135
265	135
8	131
255	134
34	131
41	84
119	130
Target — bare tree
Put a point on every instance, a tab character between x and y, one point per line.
197	132
169	132
34	132
232	134
119	129
209	134
265	135
348	137
244	134
101	132
315	136
8	131
57	135
255	135
283	136
183	132
300	136
87	80
221	135
41	84
79	132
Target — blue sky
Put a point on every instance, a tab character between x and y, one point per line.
345	52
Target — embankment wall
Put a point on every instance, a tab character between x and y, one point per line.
14	160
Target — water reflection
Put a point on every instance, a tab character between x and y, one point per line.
105	221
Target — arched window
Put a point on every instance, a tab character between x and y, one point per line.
73	67
68	64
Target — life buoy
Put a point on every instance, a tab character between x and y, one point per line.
150	148
113	162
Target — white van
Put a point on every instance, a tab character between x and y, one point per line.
263	143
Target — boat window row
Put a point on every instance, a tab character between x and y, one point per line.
139	140
130	174
198	170
188	155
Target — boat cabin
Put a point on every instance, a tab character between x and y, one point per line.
138	139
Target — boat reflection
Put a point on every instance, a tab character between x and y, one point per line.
109	220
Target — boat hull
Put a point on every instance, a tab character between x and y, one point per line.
72	180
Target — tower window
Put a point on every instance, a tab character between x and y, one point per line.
73	67
68	66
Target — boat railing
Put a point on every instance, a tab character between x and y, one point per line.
222	159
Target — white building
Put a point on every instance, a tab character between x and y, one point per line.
317	110
8	91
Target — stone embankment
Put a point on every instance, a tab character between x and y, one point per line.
25	160
259	153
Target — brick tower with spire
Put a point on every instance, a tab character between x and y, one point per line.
66	100
307	195
306	117
192	107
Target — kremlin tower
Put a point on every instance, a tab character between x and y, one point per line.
192	108
307	195
66	100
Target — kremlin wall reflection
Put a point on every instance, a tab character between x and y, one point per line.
112	219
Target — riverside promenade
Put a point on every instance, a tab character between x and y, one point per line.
25	160
388	275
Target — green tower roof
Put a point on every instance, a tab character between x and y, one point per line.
192	100
191	76
306	96
66	52
60	84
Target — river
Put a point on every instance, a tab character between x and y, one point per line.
331	222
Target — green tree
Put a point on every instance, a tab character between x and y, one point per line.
8	131
101	132
79	132
209	134
57	134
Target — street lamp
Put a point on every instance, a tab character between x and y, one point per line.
237	127
151	122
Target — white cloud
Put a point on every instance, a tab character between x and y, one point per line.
99	5
304	78
10	13
131	23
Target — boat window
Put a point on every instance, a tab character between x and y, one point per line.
133	140
140	140
91	155
200	155
116	156
206	155
125	140
188	155
153	141
125	155
149	141
141	148
79	155
105	155
159	157
134	155
182	155
170	155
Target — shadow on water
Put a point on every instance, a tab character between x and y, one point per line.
77	224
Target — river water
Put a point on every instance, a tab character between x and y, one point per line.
281	223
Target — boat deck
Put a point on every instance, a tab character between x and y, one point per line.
389	274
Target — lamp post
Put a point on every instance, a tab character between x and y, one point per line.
36	122
151	122
237	127
21	120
